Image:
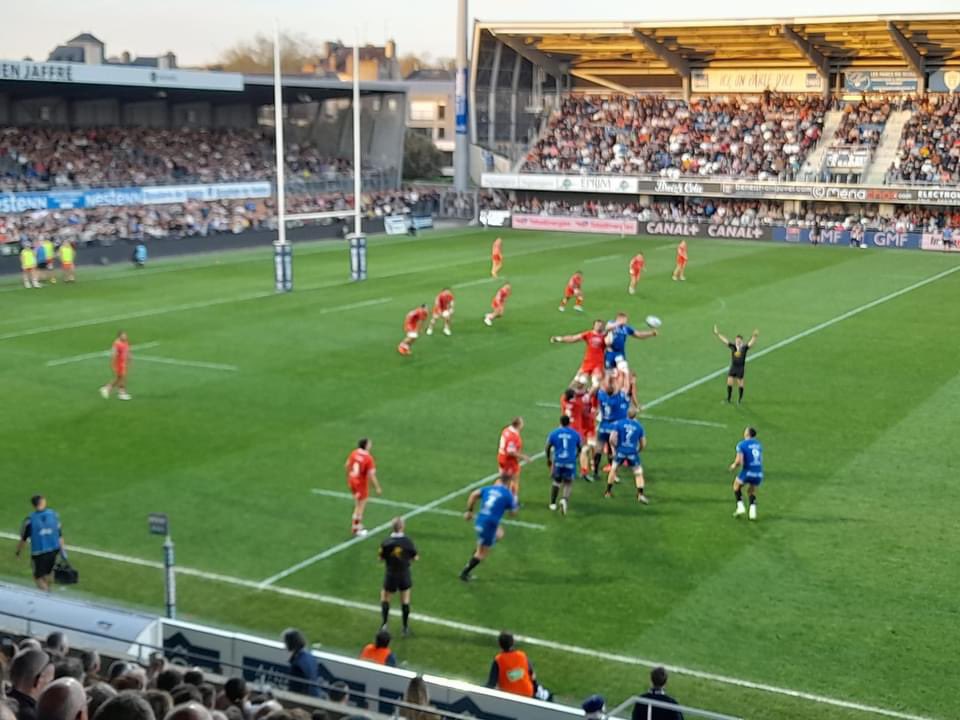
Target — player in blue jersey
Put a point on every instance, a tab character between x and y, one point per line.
562	451
750	461
614	403
618	330
627	440
495	500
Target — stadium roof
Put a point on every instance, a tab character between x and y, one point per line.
612	51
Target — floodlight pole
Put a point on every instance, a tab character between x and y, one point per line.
461	147
282	252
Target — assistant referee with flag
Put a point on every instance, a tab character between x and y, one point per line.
42	530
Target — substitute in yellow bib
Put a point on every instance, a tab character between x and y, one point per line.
28	266
68	256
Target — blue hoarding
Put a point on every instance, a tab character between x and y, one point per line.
830	236
880	81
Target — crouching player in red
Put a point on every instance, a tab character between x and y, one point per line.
498	304
574	289
636	270
442	308
120	361
361	470
411	328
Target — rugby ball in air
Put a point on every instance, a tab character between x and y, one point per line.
653	321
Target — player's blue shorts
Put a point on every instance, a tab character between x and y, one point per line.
564	473
603	433
486	532
613	360
750	478
628	460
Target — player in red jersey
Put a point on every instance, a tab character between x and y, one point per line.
578	404
361	471
498	304
637	265
120	361
681	261
591	368
510	455
496	257
411	328
442	308
574	289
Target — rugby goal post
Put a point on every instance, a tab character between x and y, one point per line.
282	250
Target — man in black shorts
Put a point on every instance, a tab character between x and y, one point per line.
397	552
42	530
738	360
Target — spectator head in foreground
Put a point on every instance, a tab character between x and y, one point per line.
68	667
57	644
91	663
30	672
168	679
189	711
594	707
127	705
98	694
160	701
658	678
62	699
339	692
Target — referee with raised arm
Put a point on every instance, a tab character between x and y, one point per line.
42	530
738	360
397	552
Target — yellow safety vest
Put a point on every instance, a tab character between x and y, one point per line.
28	260
67	253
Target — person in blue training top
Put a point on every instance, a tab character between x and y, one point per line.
562	451
618	330
495	500
43	531
303	665
140	255
614	403
627	440
750	461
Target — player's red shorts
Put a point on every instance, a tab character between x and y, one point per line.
635	273
67	266
359	488
591	369
571	291
119	369
497	306
681	262
410	327
497	258
509	466
438	311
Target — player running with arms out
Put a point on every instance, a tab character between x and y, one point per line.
496	258
361	471
442	308
562	450
628	440
738	360
637	264
618	330
412	325
495	500
614	404
678	271
749	459
574	289
591	368
510	455
499	304
120	362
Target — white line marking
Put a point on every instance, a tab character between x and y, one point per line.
602	258
481	281
552	406
683	421
490	632
100	354
351	306
412	506
187	363
329	552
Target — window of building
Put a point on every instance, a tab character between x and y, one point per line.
441	133
441	111
422	110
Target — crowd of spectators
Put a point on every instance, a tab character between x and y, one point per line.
34	158
929	149
862	122
50	681
765	137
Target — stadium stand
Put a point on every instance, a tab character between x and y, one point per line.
929	150
765	136
33	158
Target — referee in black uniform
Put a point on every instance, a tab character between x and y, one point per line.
738	360
397	552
